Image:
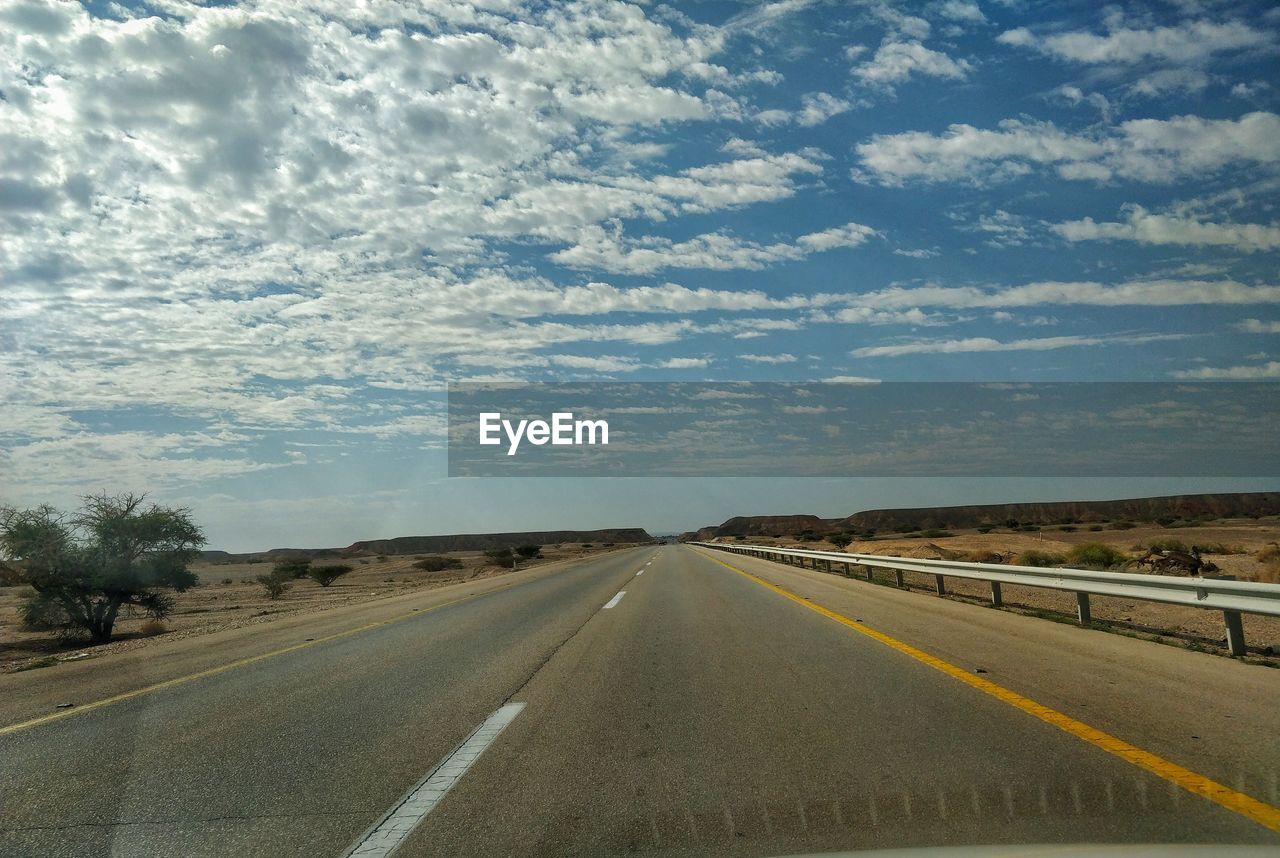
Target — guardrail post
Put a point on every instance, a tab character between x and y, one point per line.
1082	609
940	584
898	579
870	572
848	570
1235	633
997	597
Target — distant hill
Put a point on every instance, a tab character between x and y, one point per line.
1173	507
485	541
442	544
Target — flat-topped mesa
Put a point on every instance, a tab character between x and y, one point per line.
1170	507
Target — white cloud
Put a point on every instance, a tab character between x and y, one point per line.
1271	369
1188	42
605	363
1259	326
770	359
871	314
896	61
818	107
987	344
604	250
685	363
815	109
1151	150
965	11
1137	293
1146	228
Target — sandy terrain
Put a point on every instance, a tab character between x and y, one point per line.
228	597
1244	538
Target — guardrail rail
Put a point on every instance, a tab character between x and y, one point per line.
1232	598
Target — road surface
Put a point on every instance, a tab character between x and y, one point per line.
652	700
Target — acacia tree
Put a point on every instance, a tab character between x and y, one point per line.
116	552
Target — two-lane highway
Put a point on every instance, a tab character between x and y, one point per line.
652	700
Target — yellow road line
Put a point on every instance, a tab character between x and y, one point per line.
223	668
1233	800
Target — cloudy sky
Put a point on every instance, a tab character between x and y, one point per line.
243	247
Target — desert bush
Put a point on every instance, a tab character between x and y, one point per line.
438	563
933	533
326	575
1094	528
986	528
153	627
587	545
501	557
984	557
1068	528
1040	558
226	581
1096	555
840	540
298	567
274	585
806	536
1268	553
1122	525
528	552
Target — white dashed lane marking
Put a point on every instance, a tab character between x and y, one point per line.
389	832
615	600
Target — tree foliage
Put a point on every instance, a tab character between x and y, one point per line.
116	553
326	575
528	552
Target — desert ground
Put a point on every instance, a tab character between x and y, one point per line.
1246	549
228	597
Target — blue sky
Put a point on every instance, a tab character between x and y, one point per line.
243	247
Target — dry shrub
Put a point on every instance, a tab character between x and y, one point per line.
1268	554
1269	574
1040	558
153	627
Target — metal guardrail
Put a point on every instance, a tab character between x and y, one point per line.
1233	598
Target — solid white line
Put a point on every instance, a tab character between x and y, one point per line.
388	833
615	600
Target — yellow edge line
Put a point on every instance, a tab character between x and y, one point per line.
223	668
1233	800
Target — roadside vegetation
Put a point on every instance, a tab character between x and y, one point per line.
115	554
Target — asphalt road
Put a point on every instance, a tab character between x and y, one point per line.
700	713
